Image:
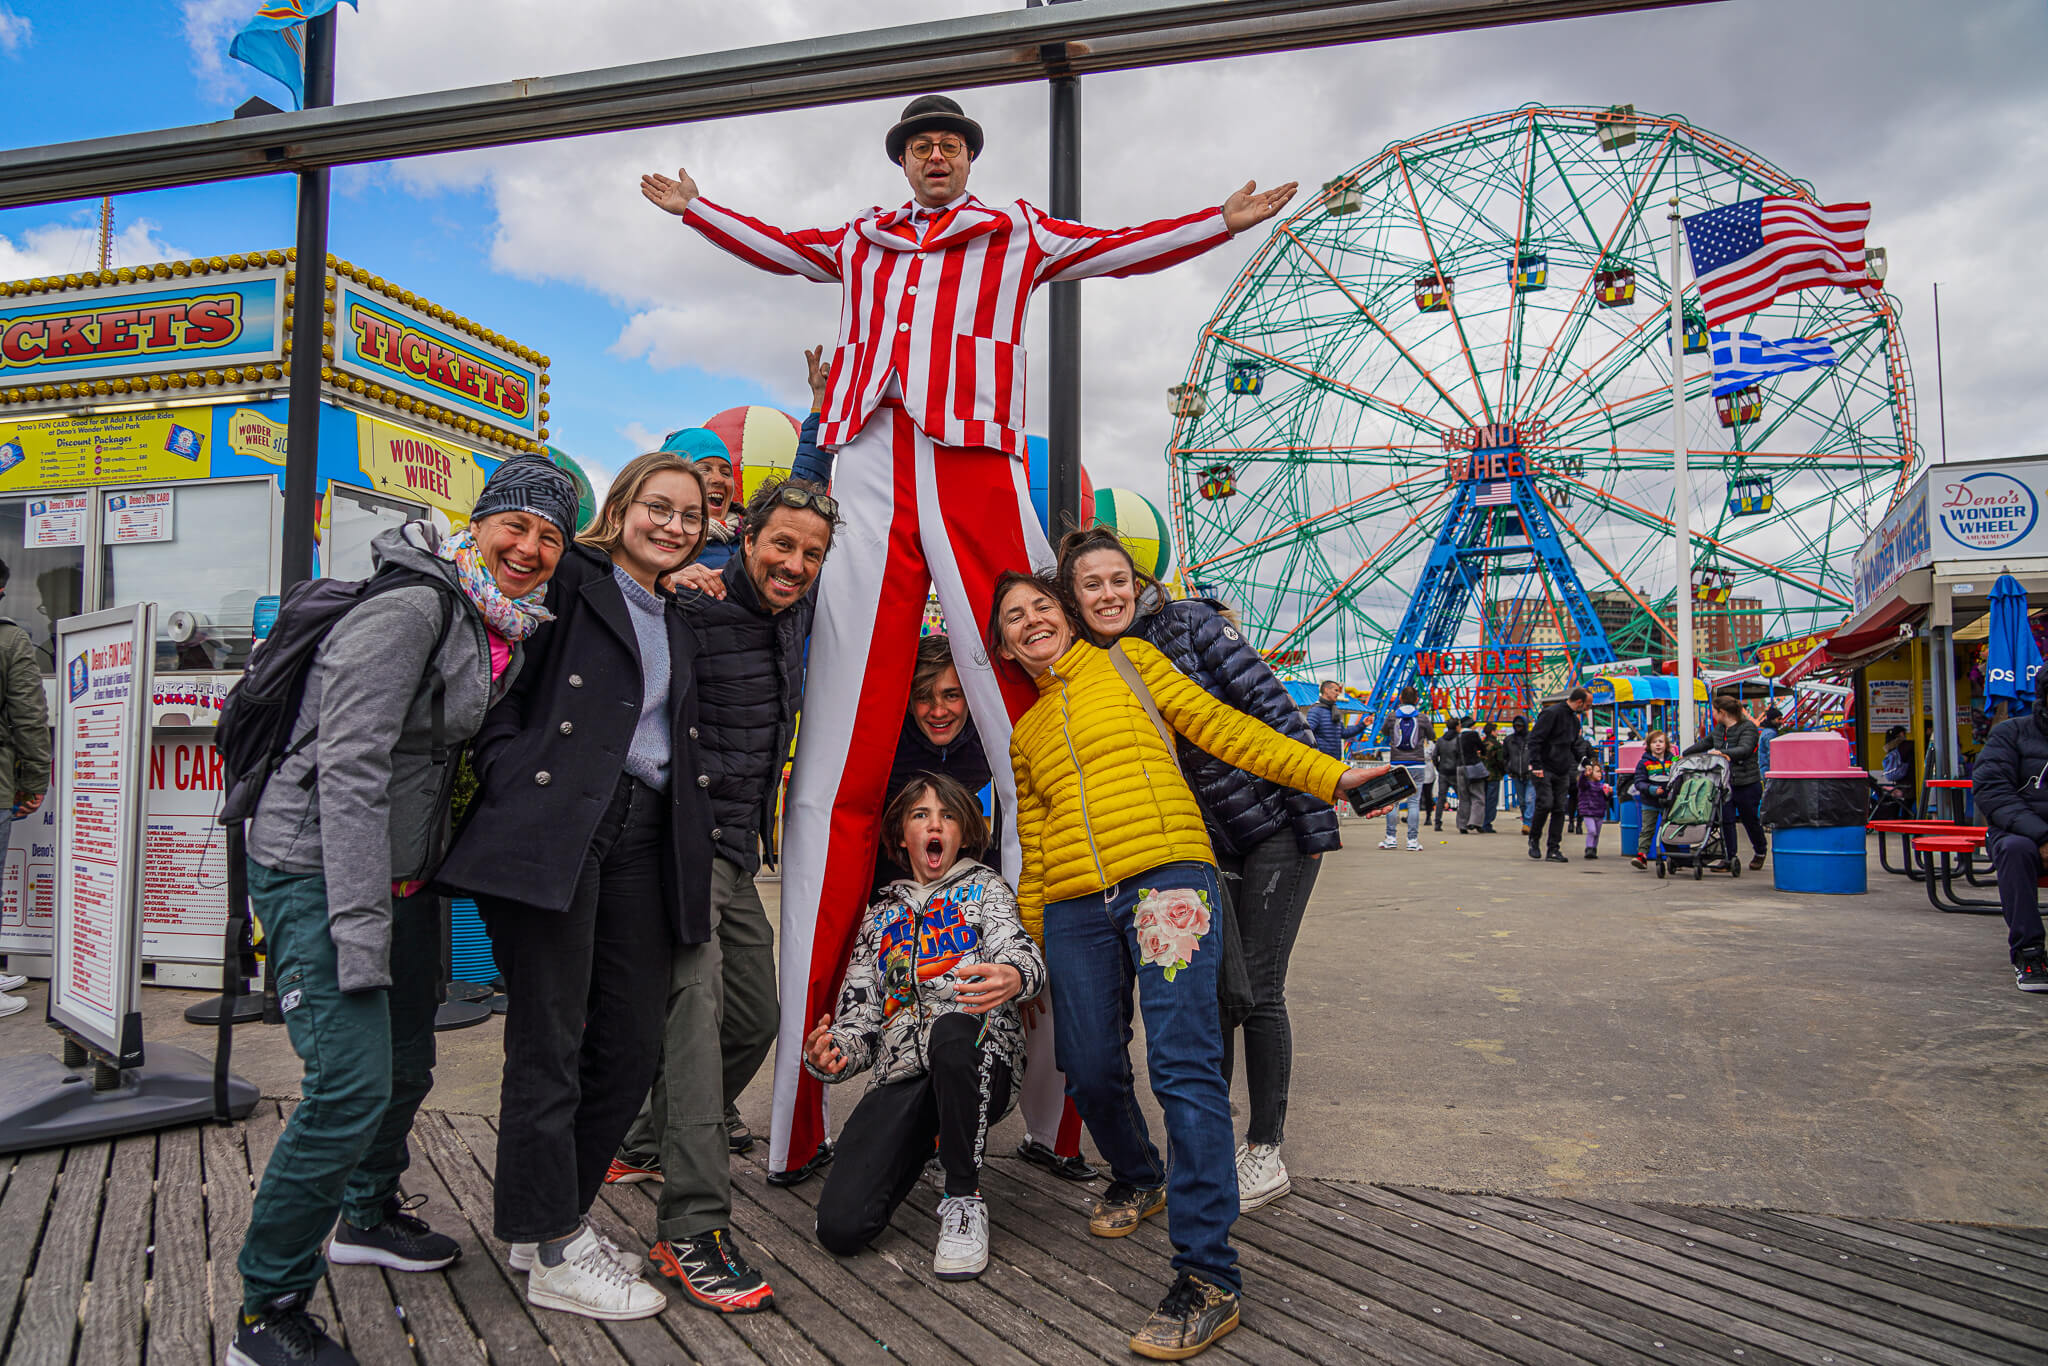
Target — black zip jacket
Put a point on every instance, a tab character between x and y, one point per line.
2008	776
750	680
1241	811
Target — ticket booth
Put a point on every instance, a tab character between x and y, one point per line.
143	430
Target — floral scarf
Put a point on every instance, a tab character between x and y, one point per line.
513	618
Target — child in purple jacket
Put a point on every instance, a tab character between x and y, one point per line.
1593	795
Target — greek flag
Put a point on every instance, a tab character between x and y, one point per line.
274	42
1743	358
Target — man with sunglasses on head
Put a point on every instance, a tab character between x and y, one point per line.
752	619
926	411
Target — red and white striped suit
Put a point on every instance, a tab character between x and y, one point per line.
926	409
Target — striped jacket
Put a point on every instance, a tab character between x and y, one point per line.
935	300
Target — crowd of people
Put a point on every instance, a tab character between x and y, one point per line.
623	695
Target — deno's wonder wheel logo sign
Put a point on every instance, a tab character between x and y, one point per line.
1988	511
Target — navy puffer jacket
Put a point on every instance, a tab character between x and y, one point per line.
1242	811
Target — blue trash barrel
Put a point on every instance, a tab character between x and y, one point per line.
1827	859
1631	825
470	946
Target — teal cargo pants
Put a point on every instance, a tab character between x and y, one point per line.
369	1058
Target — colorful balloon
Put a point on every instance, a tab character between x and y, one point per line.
1139	526
760	441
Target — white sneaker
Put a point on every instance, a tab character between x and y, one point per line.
1261	1176
12	1005
1414	844
963	1238
591	1281
1389	843
521	1256
12	981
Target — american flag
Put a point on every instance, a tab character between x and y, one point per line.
1493	495
1751	252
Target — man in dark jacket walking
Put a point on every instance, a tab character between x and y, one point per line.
1555	751
1326	723
2013	803
751	620
1521	796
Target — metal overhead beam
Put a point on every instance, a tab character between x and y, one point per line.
994	49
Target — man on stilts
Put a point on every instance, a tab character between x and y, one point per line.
926	411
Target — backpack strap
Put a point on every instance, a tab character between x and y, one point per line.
437	688
1135	681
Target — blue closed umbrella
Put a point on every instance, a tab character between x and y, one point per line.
2012	659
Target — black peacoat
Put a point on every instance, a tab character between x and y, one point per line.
549	756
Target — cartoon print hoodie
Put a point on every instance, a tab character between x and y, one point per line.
900	979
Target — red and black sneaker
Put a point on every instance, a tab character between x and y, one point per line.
625	1171
712	1271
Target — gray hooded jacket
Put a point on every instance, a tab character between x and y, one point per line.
376	798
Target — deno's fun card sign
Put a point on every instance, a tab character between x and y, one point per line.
104	664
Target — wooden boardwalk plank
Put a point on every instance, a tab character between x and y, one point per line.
48	1328
112	1317
1815	1273
1723	1272
1619	1272
1431	1238
122	1253
1944	1274
179	1331
861	1286
488	1300
573	1338
24	1207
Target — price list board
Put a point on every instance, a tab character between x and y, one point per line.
103	685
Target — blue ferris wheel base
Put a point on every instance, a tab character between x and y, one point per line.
1468	543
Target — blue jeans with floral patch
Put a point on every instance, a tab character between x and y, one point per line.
1092	954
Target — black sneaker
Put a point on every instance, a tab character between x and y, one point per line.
1535	853
1593	853
284	1334
2031	973
1066	1168
1555	856
792	1176
1191	1317
713	1272
738	1137
403	1242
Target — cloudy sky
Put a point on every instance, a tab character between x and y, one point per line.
1938	114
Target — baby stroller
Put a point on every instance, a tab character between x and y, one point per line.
1693	834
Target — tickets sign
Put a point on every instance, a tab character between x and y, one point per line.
126	329
391	344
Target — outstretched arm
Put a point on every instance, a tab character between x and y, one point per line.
1075	251
810	462
810	252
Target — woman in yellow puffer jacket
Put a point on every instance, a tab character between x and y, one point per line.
1118	886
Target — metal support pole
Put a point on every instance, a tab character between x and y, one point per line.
1940	395
1681	498
302	441
1063	399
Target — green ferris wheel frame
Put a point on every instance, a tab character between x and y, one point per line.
1512	270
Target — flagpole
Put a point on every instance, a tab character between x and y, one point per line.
1681	496
302	439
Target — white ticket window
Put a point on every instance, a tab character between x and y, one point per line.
355	518
43	539
204	554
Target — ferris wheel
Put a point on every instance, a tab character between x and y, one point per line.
1500	286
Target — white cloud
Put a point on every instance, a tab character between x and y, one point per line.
16	32
1932	112
209	25
69	247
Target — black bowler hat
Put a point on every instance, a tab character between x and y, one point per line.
930	114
